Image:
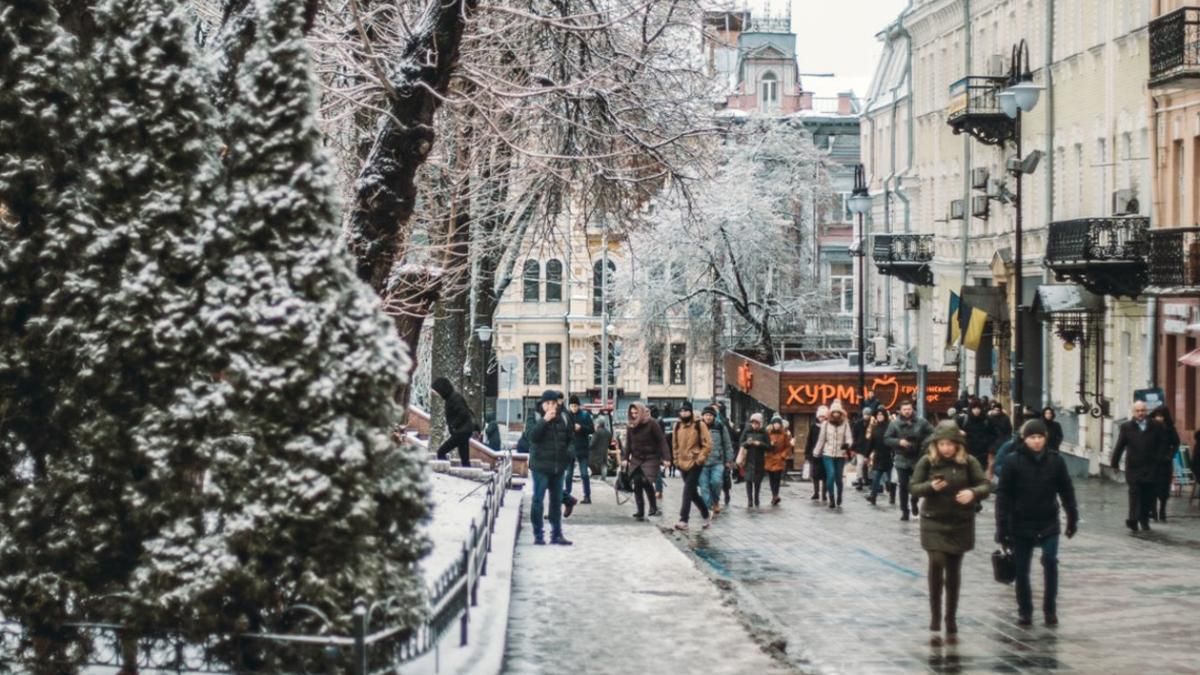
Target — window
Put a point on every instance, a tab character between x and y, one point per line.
678	278
841	285
678	363
768	92
655	358
553	363
554	272
533	366
597	365
531	279
598	287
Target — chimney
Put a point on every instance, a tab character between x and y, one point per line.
845	103
806	100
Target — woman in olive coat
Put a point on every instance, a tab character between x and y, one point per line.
952	483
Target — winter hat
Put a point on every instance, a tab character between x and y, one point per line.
951	411
709	410
443	387
823	410
946	431
997	405
687	405
549	395
776	418
574	400
756	417
1034	427
837	407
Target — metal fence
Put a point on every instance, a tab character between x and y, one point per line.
371	648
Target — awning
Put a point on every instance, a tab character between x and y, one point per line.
1067	298
1191	359
990	299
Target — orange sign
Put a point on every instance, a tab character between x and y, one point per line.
888	391
745	377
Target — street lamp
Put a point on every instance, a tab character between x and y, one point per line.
1020	96
860	204
484	333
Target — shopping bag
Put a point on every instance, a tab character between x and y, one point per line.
1004	567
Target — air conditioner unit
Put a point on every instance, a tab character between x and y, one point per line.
958	209
997	65
1125	203
879	349
912	301
852	359
979	179
897	356
979	207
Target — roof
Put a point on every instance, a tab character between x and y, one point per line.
1063	298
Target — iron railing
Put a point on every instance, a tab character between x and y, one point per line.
905	256
371	648
1108	256
1175	259
1175	45
975	95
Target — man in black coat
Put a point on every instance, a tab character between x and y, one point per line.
1027	505
582	429
1143	440
550	454
460	422
982	436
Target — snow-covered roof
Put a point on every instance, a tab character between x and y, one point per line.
833	366
1060	298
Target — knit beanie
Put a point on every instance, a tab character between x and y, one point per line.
1033	428
574	400
709	410
756	417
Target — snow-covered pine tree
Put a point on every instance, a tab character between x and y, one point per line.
319	505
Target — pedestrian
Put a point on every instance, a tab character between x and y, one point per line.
582	428
859	447
775	462
662	426
1164	467
1144	441
712	479
598	447
952	482
460	422
752	458
727	476
952	414
1054	430
644	452
491	432
879	456
906	436
833	444
1001	422
549	456
1034	479
982	434
691	444
816	466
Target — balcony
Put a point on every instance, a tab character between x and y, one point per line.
1175	49
975	109
1175	261
1107	256
905	256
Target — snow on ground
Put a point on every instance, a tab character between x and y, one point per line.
456	501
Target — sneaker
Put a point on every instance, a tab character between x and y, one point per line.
682	526
561	541
538	540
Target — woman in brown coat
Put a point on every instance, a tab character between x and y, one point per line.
645	450
775	461
952	483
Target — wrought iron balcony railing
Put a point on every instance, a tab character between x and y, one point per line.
975	109
1107	256
904	256
1175	48
1175	261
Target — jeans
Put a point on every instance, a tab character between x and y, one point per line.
712	479
691	494
544	482
460	441
583	477
904	476
1141	501
835	468
1023	557
879	478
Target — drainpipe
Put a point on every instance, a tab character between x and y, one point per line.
1047	339
1152	309
968	46
908	165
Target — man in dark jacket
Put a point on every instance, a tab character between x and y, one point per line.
491	432
1001	422
982	436
599	446
1027	504
906	436
1143	440
550	454
582	428
460	422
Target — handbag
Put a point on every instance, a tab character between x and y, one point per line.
1004	567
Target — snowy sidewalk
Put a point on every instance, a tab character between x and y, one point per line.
623	599
456	501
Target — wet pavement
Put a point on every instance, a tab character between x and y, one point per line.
847	589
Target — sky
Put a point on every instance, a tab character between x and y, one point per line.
837	36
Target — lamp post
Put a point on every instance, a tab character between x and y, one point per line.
1020	96
484	333
860	204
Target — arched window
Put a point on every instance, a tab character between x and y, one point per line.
554	271
768	91
599	292
531	280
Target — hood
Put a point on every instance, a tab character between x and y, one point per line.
643	415
443	387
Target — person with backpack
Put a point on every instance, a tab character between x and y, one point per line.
549	456
460	422
691	445
775	462
582	428
752	458
712	479
906	436
1032	482
952	482
833	444
598	447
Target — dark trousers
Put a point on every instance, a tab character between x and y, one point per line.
775	478
460	441
644	489
727	483
754	479
818	475
691	494
1023	557
544	482
904	476
583	476
945	575
1141	501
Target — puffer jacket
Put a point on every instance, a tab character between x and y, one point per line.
756	443
1028	496
722	446
982	436
691	444
550	445
946	525
781	447
833	440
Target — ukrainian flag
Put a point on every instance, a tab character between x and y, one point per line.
953	330
971	321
